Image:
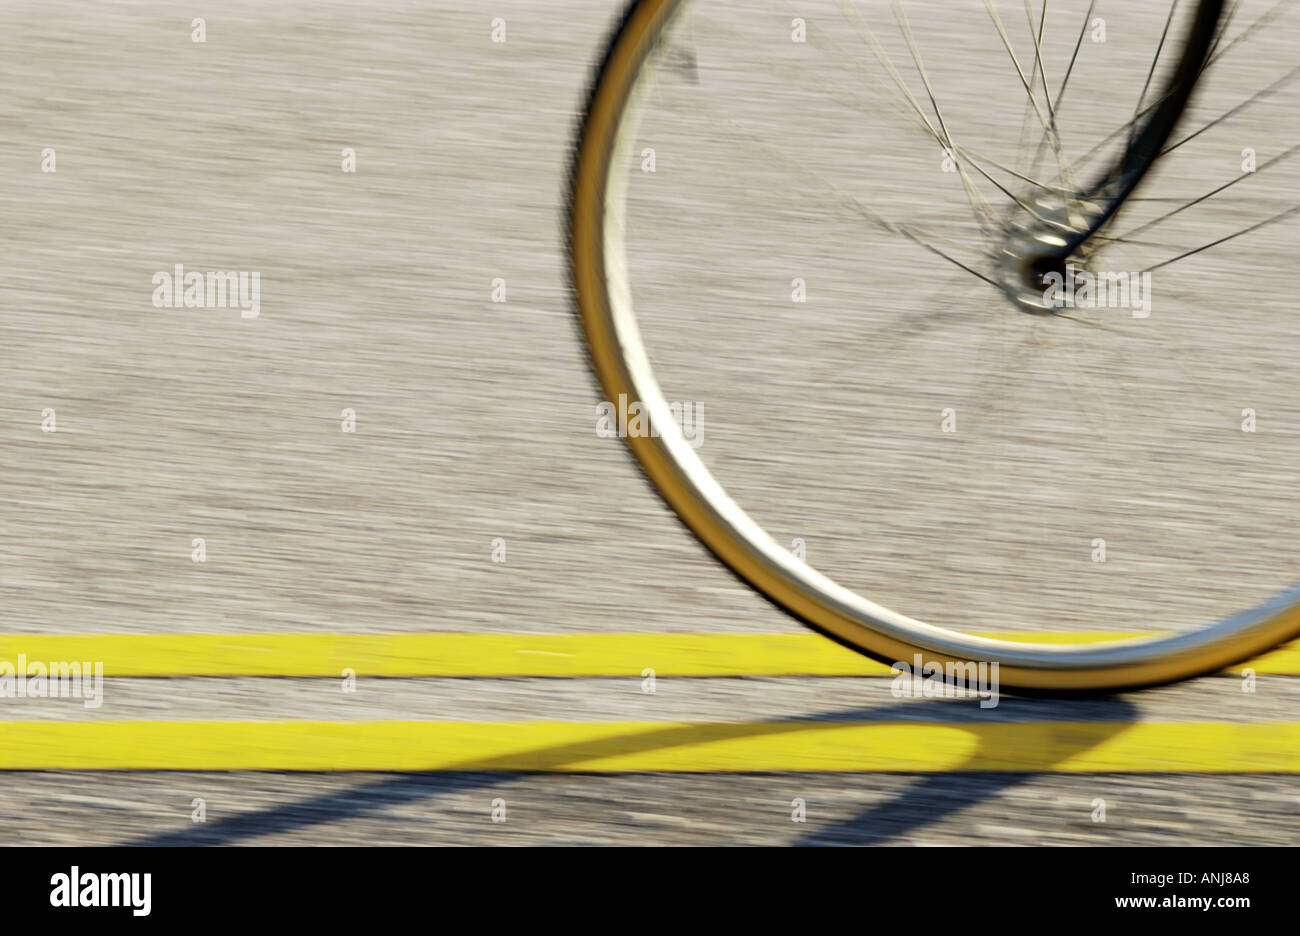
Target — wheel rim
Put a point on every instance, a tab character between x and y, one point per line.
622	366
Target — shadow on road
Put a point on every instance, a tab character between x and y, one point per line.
936	796
930	800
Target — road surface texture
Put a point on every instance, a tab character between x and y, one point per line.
403	440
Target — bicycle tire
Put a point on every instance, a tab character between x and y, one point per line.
622	367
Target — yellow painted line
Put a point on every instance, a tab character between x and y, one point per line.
1074	747
463	654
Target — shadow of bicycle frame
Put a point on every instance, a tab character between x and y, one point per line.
934	796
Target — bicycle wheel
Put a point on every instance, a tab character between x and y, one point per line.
1046	227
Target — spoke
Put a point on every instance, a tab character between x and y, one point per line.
1222	30
1257	96
1250	100
1103	239
1038	57
972	157
1007	192
1025	120
901	17
947	137
935	250
867	105
1253	227
1196	201
847	201
1042	119
975	157
1118	130
1087	18
916	113
1055	106
983	211
1154	59
1024	206
1263	20
1042	71
856	206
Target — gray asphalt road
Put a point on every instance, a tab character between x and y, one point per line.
475	419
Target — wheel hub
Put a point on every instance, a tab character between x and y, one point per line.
1037	242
